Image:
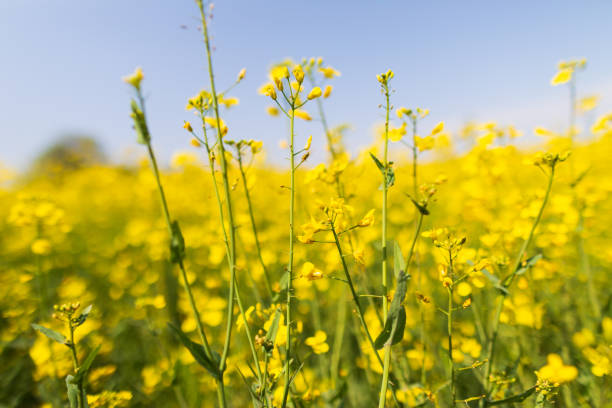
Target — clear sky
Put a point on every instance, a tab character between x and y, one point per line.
62	60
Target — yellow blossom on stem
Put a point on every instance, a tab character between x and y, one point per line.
268	90
298	74
424	143
241	74
308	143
396	134
327	91
367	219
302	114
310	272
437	129
135	78
315	93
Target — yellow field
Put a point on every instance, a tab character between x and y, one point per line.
494	290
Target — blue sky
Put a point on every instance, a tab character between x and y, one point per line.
62	61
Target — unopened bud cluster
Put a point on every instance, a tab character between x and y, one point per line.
65	312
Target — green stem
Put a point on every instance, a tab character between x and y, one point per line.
502	296
254	226
415	191
449	329
228	254
228	199
382	398
349	281
384	207
337	347
290	264
166	212
75	362
387	359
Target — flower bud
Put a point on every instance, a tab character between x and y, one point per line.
298	73
315	93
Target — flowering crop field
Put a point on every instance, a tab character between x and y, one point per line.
429	270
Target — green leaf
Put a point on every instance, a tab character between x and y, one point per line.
422	209
257	403
515	398
399	263
177	243
389	174
86	365
495	281
73	392
81	319
52	334
396	319
378	163
198	352
529	263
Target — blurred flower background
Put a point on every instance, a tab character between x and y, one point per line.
489	140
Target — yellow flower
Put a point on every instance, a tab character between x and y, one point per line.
437	129
315	93
385	78
308	143
583	338
327	91
277	75
298	73
41	246
513	132
403	112
564	75
422	112
256	146
272	110
602	123
310	272
367	219
601	360
187	126
228	102
135	78
318	342
464	289
588	103
195	142
424	143
210	121
302	114
268	90
359	256
396	134
329	72
241	74
556	372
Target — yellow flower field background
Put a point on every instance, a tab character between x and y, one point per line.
436	268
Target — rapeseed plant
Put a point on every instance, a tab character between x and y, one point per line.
330	319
